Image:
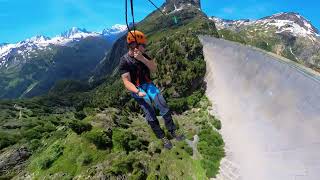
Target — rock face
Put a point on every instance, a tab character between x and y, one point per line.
13	159
269	107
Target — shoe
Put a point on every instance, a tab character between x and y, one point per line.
178	137
166	143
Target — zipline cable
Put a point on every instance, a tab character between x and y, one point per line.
132	14
174	17
156	7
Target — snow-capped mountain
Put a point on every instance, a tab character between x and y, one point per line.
287	34
115	30
3	44
294	22
27	48
291	23
113	33
32	66
74	31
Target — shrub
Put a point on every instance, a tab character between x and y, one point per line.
79	127
152	176
211	167
138	172
46	162
122	165
210	147
213	138
195	98
125	140
48	127
128	164
85	159
215	122
134	144
7	140
34	144
80	115
122	121
99	138
32	134
210	152
121	138
178	105
89	111
54	153
183	145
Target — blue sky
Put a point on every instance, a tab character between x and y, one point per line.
21	19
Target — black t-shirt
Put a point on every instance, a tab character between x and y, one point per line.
139	72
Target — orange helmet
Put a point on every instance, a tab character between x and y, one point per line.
138	36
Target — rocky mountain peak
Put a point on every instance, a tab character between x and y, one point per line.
116	29
285	16
285	23
38	38
176	5
296	18
73	31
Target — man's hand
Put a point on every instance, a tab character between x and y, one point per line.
138	55
141	94
149	63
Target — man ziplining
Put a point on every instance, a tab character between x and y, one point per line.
135	68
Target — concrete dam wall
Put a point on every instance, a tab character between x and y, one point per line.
270	112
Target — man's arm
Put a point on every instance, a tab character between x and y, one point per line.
127	82
125	76
151	64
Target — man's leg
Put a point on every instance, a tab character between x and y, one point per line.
150	114
154	93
